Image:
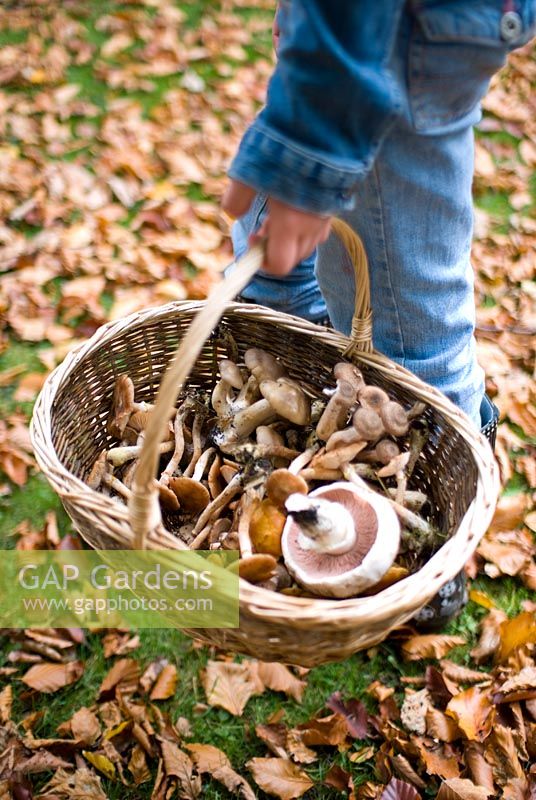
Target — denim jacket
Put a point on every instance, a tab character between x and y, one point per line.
334	95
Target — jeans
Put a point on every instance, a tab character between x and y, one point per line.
413	211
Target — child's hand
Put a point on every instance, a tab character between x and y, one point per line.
290	234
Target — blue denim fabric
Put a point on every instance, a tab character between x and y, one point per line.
334	95
413	206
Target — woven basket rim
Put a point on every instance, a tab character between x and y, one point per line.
268	604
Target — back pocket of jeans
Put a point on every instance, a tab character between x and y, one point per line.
455	49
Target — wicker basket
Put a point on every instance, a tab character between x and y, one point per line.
456	468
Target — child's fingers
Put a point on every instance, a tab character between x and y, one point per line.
237	198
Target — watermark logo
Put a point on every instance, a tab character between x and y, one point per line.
116	588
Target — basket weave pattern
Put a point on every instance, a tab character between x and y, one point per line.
456	468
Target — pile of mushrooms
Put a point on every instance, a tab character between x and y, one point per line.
313	492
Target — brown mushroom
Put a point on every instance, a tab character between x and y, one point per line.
120	455
394	418
282	483
339	539
383	452
123	405
265	528
263	365
337	410
190	492
231	378
344	371
396	467
218	504
373	397
368	424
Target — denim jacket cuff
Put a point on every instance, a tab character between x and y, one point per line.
296	175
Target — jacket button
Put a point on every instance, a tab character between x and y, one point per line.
511	26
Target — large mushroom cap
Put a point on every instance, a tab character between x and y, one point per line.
192	495
346	574
288	400
230	373
263	365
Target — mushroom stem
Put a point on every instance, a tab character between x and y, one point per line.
247	395
117	485
179	446
247	506
325	526
303	459
197	446
336	412
202	464
257	451
200	539
232	489
335	458
120	455
246	420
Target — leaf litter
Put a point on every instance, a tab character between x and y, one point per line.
103	214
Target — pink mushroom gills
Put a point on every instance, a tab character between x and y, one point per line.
339	539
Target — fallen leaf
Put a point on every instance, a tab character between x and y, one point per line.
51	677
331	730
228	685
6	701
480	770
208	758
124	675
166	683
100	762
501	753
353	711
430	646
137	765
473	712
516	632
490	635
441	727
338	778
279	777
399	790
279	678
85	726
178	765
462	789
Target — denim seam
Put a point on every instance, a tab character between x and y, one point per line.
379	193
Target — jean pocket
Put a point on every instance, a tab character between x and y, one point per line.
455	48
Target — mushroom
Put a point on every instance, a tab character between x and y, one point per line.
99	475
178	451
279	397
334	459
247	395
199	418
231	378
397	467
263	365
123	406
339	539
278	581
282	483
383	453
373	397
265	528
344	371
367	426
190	492
394	418
120	455
336	412
218	504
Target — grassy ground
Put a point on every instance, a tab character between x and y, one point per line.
32	501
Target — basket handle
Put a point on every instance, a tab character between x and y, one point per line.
143	505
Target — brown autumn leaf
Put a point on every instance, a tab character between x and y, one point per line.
509	512
501	753
353	711
509	551
6	701
279	777
460	674
473	712
490	635
274	736
402	766
279	678
441	727
297	749
137	765
124	675
331	730
208	758
436	760
49	677
166	683
399	790
462	789
228	685
430	646
117	643
516	632
152	672
480	770
522	686
85	726
179	765
338	779
78	785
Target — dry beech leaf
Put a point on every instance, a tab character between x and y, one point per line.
501	753
208	758
80	785
279	777
462	674
274	737
490	635
124	675
331	730
51	677
441	727
166	683
299	751
137	765
480	770
436	761
430	646
515	633
279	678
353	711
462	789
179	765
338	778
85	726
6	701
473	712
228	685
399	790
151	673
